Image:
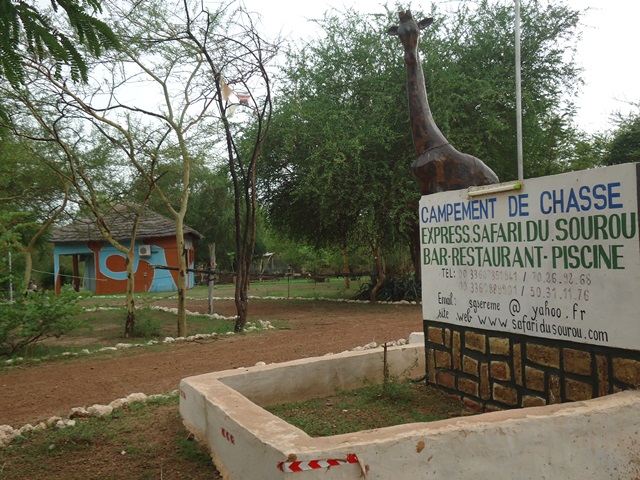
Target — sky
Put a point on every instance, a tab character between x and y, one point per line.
607	51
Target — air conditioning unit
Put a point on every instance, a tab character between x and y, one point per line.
144	250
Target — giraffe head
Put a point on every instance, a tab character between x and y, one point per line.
409	30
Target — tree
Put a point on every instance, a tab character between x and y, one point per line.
237	58
336	170
26	29
340	150
31	200
625	144
211	209
197	58
177	53
470	74
75	164
589	150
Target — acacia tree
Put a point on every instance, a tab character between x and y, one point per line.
342	143
31	199
211	207
624	145
24	234
37	57
54	108
468	58
179	56
336	166
236	58
197	59
29	30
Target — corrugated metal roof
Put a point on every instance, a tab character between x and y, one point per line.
120	222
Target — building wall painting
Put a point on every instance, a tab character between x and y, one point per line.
105	266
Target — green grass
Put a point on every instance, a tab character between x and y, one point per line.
105	326
370	407
135	442
299	287
105	329
192	451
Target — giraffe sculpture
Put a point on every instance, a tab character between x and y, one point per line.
438	165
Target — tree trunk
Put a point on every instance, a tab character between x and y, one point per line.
130	322
28	265
245	243
43	229
182	281
241	294
380	270
242	308
345	266
415	248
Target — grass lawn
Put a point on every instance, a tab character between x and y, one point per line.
105	315
296	287
139	441
148	441
370	407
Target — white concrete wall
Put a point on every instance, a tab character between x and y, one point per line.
596	439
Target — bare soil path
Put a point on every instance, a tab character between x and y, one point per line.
38	391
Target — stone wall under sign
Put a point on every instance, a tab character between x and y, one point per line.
496	370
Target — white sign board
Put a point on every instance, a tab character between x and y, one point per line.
558	259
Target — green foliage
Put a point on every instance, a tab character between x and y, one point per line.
17	228
48	280
470	75
37	316
625	145
9	235
147	325
26	28
393	289
211	206
335	169
372	406
210	212
589	151
192	451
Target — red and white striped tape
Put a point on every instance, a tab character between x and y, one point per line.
290	467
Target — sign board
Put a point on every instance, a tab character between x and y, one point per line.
558	259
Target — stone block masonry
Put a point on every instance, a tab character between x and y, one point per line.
497	370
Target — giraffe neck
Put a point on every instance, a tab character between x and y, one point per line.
426	134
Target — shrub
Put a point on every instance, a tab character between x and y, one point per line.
146	324
37	316
48	280
393	289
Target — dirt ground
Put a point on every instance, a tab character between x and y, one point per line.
36	392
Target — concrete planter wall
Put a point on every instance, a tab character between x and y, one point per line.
588	440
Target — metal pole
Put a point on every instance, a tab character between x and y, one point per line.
518	94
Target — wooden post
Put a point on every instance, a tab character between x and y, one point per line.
385	369
212	267
76	274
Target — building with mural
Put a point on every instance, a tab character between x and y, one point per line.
100	268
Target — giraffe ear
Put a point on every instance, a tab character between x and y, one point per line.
424	23
393	30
